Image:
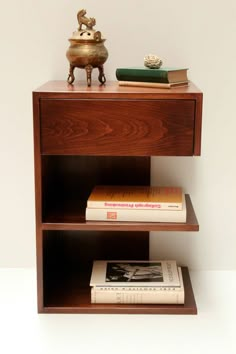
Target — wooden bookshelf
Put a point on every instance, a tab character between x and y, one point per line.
85	136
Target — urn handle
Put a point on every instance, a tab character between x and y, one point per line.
97	36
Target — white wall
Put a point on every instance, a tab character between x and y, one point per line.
197	34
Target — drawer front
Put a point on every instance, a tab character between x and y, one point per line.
117	127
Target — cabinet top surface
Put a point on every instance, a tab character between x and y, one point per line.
113	90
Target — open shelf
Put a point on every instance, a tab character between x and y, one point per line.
68	181
68	258
71	297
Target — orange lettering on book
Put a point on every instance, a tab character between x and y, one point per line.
111	215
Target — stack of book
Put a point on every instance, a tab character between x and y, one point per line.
136	204
136	282
163	77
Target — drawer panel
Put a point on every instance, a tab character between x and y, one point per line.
117	127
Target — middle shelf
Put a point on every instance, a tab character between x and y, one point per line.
67	182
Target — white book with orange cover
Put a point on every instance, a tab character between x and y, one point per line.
137	215
136	197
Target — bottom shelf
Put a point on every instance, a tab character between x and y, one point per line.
69	298
67	260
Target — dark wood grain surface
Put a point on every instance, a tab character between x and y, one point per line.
112	89
118	127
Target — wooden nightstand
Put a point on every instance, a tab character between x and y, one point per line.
102	135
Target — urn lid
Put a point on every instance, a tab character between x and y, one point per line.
87	33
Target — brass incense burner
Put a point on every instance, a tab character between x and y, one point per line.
87	50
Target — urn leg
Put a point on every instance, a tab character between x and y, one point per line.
101	76
71	76
89	69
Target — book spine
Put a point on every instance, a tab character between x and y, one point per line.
134	205
148	75
101	214
156	296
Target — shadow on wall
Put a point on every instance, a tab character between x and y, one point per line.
171	171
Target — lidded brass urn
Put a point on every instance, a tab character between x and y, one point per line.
86	50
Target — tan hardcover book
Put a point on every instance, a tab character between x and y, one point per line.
136	197
137	215
153	84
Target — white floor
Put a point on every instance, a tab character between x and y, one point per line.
213	330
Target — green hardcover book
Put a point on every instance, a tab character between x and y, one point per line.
144	74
